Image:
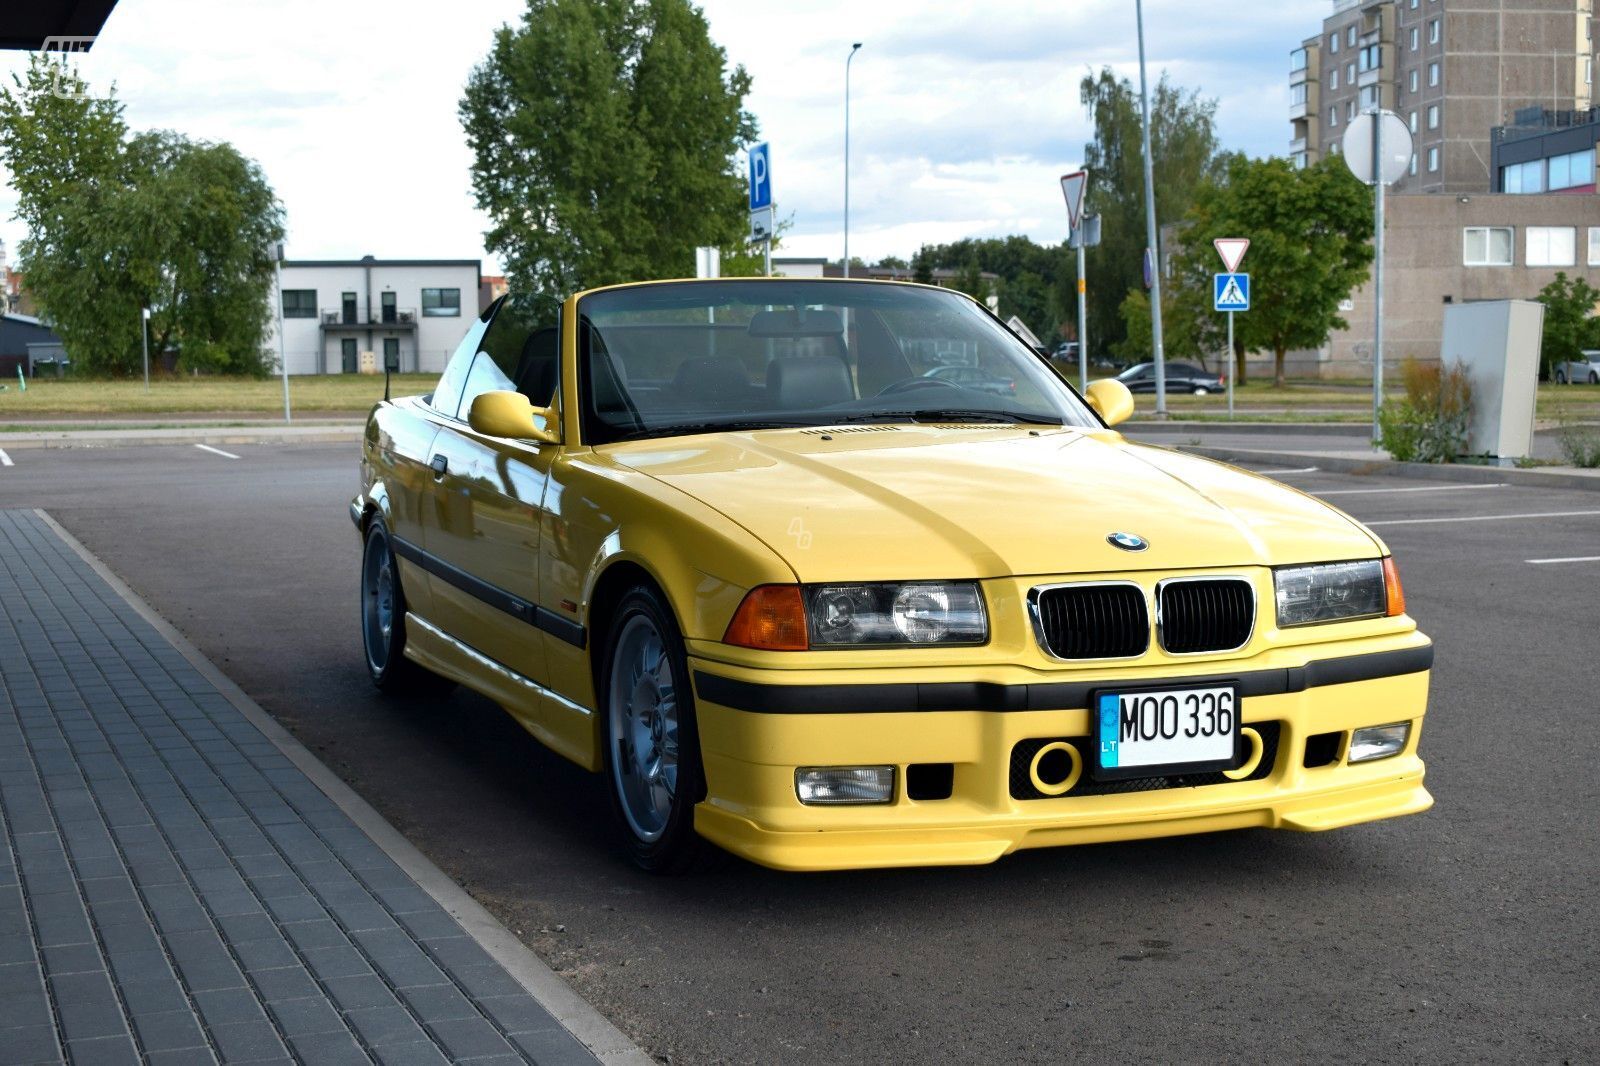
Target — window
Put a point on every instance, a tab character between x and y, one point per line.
1594	245
441	303
520	353
1350	36
1371	58
1553	246
1571	170
446	395
1412	122
1433	31
1297	160
1414	38
299	303
1433	160
1433	116
1369	97
1333	45
1333	115
1413	5
1413	156
1413	81
1297	95
1297	60
1349	73
1523	177
1333	78
1433	73
1349	109
1486	246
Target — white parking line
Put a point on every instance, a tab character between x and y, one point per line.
1569	559
1296	470
5	460
1424	488
216	451
1481	518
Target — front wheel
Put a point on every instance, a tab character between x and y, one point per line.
383	619
1594	378
652	750
1201	390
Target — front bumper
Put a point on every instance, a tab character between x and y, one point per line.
755	731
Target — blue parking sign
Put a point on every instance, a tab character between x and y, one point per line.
760	178
1231	292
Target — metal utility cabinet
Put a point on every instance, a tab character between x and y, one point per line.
1498	343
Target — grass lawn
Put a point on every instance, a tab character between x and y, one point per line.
310	394
354	394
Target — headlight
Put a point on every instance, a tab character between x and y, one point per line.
1333	592
916	613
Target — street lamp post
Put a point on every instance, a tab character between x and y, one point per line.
276	251
1150	228
144	342
854	48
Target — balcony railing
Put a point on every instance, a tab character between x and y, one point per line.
392	317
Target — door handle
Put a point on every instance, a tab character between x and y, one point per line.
440	464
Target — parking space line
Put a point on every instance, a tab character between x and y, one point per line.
5	460
1296	470
216	451
1568	559
1481	518
1422	488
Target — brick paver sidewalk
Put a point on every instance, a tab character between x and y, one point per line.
173	889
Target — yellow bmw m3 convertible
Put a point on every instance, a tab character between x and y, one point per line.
749	549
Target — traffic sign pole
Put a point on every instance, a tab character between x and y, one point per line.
1377	279
1231	366
1083	319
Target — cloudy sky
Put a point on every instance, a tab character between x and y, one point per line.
962	114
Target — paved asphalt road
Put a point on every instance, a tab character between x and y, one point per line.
1467	933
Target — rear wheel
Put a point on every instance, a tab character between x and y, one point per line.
1594	378
1561	379
652	752
383	617
1201	390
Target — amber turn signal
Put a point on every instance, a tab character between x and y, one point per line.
771	618
1391	586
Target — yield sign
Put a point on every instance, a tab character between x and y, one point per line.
1073	186
1232	250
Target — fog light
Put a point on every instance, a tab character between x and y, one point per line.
837	785
1379	741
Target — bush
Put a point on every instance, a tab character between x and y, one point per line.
1430	425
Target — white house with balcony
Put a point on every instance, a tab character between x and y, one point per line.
337	310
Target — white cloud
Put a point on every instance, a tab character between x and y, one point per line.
962	115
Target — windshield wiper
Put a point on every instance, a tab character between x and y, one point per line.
952	414
679	428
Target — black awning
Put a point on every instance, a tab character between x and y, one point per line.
29	24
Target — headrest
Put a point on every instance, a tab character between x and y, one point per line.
796	322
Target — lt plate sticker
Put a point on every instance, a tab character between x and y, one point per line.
1108	731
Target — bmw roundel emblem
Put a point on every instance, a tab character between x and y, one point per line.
1129	542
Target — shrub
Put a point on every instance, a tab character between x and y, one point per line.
1430	424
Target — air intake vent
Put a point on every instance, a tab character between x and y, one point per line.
1205	615
1094	621
833	430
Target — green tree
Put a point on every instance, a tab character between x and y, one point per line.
1570	305
1035	282
118	223
1183	144
1178	327
604	134
1310	234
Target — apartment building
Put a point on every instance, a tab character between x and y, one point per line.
336	311
1453	69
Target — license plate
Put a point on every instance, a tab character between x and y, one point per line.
1150	732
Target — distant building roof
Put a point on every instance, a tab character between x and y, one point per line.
372	261
29	319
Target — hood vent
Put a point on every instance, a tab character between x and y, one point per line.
826	432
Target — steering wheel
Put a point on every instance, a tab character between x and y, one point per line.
912	384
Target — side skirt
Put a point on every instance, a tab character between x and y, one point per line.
553	719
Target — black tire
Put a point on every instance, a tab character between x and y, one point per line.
1594	378
1561	379
383	600
661	842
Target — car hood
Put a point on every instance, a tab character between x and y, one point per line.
903	502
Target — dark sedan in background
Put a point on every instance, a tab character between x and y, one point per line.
1181	377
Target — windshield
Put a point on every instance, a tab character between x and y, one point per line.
694	357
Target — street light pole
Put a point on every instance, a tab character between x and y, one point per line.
1150	227
277	297
854	48
144	342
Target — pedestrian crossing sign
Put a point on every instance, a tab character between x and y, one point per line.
1232	292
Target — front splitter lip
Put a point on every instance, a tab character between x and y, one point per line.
979	843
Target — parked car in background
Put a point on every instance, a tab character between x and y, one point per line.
1580	371
970	377
1181	377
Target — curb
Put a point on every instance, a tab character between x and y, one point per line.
603	1039
1548	479
112	439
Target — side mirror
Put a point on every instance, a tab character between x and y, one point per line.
1111	400
503	413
